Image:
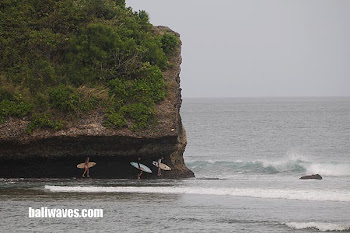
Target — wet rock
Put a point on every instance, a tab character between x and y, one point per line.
314	176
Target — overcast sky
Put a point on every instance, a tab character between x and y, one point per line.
258	48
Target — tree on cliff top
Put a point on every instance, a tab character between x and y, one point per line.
59	59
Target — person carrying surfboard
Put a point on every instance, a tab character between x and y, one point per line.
86	167
159	169
140	174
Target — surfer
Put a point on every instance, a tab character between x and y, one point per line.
159	170
86	167
140	174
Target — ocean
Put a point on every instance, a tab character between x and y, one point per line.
247	154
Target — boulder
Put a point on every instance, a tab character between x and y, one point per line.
314	177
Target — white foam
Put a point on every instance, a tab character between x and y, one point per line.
321	226
293	163
281	166
310	195
211	161
295	156
329	169
310	166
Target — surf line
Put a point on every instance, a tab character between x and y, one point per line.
309	195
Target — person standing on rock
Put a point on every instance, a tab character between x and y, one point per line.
86	167
140	174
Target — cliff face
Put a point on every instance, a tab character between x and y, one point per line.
47	153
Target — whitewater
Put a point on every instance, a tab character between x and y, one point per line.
247	154
312	195
288	165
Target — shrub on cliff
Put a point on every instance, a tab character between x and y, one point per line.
169	43
136	98
53	48
12	102
13	108
44	120
64	99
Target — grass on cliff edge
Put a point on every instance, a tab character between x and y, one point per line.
62	59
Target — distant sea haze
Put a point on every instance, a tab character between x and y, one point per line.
311	130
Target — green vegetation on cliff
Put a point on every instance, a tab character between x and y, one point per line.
62	59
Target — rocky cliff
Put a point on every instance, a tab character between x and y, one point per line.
48	153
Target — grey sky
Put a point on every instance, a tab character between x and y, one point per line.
249	48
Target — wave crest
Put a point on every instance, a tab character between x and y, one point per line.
273	167
321	226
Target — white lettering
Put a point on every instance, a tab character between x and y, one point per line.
37	213
76	213
64	213
83	213
51	213
45	212
70	213
58	213
31	212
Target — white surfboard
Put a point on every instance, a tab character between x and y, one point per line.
142	167
162	166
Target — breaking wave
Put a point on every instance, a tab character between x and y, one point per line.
311	195
320	226
272	167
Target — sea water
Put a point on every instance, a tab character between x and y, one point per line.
247	154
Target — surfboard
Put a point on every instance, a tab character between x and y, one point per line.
162	166
142	167
82	165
